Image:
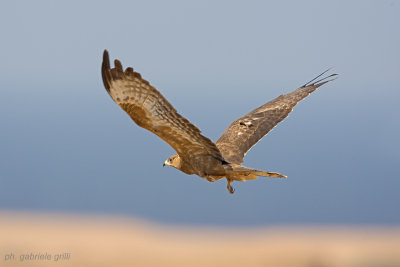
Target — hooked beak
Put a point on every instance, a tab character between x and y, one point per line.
166	163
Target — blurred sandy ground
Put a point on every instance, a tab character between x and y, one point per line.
109	241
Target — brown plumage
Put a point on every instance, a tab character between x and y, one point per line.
196	153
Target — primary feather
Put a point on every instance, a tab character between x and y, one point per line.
150	110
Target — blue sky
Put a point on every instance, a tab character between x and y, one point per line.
66	146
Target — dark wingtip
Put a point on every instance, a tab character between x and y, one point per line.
118	65
117	72
324	80
321	81
129	70
106	58
105	70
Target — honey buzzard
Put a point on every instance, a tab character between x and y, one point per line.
196	153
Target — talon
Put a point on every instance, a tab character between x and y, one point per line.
230	188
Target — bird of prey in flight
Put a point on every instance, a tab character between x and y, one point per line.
196	153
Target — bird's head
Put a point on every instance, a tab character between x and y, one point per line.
174	161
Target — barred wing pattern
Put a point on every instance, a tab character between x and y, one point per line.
150	110
245	132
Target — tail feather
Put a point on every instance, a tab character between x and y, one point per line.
269	174
242	173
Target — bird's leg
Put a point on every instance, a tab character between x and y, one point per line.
229	187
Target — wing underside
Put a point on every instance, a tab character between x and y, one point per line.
150	110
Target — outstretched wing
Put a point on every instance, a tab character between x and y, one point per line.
245	132
150	110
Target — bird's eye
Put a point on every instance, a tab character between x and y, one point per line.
170	160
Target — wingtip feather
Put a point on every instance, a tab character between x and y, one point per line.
106	58
105	70
118	65
322	81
